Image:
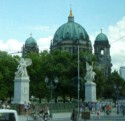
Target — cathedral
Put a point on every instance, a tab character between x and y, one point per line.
67	38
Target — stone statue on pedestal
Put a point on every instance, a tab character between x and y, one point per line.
90	86
90	74
23	63
21	81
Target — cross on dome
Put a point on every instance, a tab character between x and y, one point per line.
70	12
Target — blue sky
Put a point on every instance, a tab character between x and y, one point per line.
19	18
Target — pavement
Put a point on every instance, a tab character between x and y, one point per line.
93	116
56	116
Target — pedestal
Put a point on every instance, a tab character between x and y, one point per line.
21	90
90	92
21	109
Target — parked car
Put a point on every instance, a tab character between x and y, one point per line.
8	115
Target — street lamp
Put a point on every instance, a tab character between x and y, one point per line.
117	90
78	79
51	84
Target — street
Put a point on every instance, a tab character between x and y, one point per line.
66	117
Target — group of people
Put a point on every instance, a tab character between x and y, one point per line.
5	105
97	108
31	110
45	113
120	108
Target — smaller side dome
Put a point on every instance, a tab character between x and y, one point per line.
101	37
30	41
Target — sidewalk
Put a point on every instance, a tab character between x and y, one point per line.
62	115
55	116
103	115
66	116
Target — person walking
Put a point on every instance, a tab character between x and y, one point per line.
46	115
98	109
25	108
74	115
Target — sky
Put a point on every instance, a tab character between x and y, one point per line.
20	18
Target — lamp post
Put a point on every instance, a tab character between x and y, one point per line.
51	84
117	90
78	80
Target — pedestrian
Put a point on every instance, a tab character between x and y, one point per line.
118	108
108	109
25	108
81	108
3	106
46	113
8	106
123	110
74	115
98	114
98	109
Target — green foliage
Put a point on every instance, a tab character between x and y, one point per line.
7	68
100	83
59	64
115	82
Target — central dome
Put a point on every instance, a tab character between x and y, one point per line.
70	31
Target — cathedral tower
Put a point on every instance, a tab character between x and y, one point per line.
102	53
30	46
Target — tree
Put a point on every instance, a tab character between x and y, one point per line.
37	73
100	83
8	67
115	81
61	64
57	64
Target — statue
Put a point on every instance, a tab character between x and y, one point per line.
23	63
90	74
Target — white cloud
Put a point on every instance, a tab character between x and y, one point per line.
11	46
44	43
116	36
44	29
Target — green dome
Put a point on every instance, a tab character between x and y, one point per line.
101	37
30	41
70	31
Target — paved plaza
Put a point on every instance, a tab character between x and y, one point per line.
93	117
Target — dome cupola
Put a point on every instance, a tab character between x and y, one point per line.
30	46
101	37
30	41
69	36
70	31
